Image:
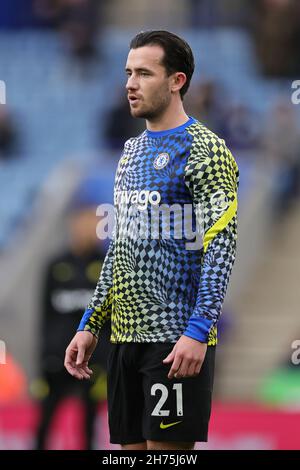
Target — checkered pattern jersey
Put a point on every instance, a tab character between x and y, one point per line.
154	289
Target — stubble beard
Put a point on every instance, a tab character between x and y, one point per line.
153	111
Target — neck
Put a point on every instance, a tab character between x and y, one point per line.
173	116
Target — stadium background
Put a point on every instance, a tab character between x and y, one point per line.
62	128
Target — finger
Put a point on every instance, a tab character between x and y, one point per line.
192	370
69	368
182	371
87	369
170	357
70	356
77	375
175	366
198	367
73	371
69	363
80	356
84	374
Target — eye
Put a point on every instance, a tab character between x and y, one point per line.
145	74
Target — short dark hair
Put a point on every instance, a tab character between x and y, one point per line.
178	56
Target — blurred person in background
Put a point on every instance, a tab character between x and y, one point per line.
163	297
116	135
240	127
281	145
69	282
204	103
237	123
276	31
79	22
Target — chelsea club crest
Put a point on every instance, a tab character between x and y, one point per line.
161	161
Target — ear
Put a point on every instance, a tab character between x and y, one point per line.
178	80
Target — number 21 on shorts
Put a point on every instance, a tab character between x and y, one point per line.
161	388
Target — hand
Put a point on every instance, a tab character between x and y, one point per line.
187	357
78	354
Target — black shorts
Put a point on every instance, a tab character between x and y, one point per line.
144	404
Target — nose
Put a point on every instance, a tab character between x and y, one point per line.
131	83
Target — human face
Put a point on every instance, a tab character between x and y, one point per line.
148	86
82	229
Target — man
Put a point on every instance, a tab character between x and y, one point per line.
68	284
162	295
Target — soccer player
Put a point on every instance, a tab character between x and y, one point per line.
163	292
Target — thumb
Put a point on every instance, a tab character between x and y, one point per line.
170	357
80	356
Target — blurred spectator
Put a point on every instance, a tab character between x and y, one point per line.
281	146
78	20
69	283
203	103
237	124
80	23
240	128
277	36
120	125
8	134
